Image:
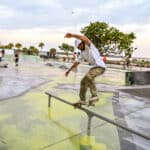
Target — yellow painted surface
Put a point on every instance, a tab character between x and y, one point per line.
100	146
26	122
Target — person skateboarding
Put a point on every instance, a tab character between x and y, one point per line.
92	55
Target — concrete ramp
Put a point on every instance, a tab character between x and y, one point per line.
24	58
138	91
30	58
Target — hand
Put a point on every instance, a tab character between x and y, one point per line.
68	35
67	73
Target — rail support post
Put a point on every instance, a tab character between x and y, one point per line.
49	100
89	123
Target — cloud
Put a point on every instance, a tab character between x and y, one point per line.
29	19
52	37
37	13
136	28
141	42
123	12
5	12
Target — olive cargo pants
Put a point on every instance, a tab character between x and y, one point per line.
88	81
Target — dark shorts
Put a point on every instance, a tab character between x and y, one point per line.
16	60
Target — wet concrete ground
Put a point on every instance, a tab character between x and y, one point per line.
26	122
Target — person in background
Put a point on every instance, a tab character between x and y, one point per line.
0	56
105	59
3	53
16	57
76	55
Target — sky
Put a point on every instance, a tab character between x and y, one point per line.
32	21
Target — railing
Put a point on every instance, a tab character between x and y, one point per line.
91	114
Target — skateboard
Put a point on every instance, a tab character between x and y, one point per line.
89	103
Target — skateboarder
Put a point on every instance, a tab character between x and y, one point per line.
91	54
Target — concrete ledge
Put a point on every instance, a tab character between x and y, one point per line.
137	78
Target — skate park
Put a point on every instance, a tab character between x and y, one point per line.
27	121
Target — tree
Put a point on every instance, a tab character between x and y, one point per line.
41	45
10	46
109	39
18	46
52	53
33	50
25	50
1	47
66	47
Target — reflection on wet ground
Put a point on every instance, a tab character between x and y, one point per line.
26	122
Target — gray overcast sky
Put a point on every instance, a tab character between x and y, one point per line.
32	21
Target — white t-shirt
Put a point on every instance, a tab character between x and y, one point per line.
92	55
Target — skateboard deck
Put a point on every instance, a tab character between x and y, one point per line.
89	103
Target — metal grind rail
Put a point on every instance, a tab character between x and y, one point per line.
91	114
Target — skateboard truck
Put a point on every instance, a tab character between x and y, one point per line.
88	103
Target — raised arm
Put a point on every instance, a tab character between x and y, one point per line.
78	36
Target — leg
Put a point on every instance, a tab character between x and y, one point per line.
83	88
17	63
91	75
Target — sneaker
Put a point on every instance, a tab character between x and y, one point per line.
82	102
95	98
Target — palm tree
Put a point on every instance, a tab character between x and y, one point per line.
18	46
10	46
25	50
66	47
52	52
41	45
33	50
